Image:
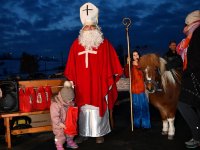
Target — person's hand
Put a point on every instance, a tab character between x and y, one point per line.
71	103
128	60
62	125
135	63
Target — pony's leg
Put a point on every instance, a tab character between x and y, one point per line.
171	130
164	121
165	127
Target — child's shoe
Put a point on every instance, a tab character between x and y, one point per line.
59	147
72	144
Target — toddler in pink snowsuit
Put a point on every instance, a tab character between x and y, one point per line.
58	110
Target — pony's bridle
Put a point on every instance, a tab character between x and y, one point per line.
155	83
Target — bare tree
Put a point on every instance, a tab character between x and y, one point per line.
28	63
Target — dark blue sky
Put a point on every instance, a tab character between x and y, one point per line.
48	27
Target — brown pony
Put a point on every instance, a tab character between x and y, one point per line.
163	88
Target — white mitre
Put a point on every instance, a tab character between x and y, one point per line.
89	14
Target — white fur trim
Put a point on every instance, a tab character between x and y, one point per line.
67	84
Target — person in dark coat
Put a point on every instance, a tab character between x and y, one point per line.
173	59
189	104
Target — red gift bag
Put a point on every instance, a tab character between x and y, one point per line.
71	121
32	94
25	101
28	100
41	100
48	93
21	99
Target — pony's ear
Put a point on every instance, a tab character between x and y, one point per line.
162	65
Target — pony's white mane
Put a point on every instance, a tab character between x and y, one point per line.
166	76
162	65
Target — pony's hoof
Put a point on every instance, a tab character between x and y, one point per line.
170	137
164	132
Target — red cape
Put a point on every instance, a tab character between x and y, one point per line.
92	83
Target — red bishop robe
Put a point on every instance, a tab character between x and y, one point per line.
92	83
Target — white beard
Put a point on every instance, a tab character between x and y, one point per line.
90	39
